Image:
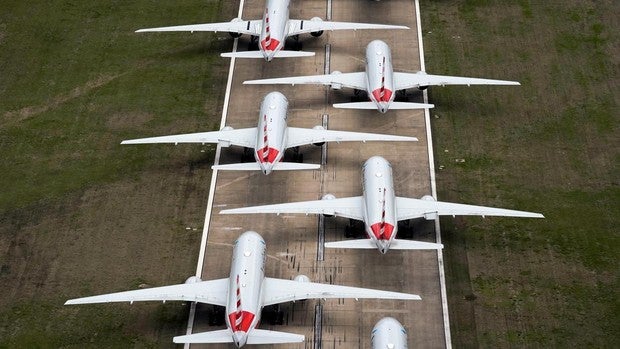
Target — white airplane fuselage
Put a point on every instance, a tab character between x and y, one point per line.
247	272
275	28
379	75
271	131
388	333
379	205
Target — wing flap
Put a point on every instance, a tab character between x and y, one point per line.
303	136
408	80
243	137
350	207
297	26
210	292
235	26
409	208
280	291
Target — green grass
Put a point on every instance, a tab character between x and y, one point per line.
57	128
75	81
549	146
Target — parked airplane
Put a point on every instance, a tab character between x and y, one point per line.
380	81
273	30
244	294
388	333
271	138
380	210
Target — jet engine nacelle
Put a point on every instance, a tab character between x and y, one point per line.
427	198
317	33
233	34
225	144
430	216
301	278
336	86
328	197
321	128
193	280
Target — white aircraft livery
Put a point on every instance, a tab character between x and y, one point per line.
244	294
270	139
273	30
388	333
380	81
380	210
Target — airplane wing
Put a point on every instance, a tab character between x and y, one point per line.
350	80
302	136
234	26
255	336
372	105
297	26
407	80
408	208
210	292
280	291
243	137
345	207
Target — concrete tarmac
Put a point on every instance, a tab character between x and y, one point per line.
292	239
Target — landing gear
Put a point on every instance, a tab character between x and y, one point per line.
405	229
296	43
274	315
216	316
247	155
297	156
348	231
253	44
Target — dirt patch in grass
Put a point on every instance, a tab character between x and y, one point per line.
25	113
110	238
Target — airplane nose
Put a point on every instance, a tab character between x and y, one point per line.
240	338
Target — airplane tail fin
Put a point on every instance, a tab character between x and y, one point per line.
397	244
393	105
259	54
255	336
254	166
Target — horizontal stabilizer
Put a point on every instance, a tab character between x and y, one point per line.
255	336
254	166
221	336
259	54
397	244
393	105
